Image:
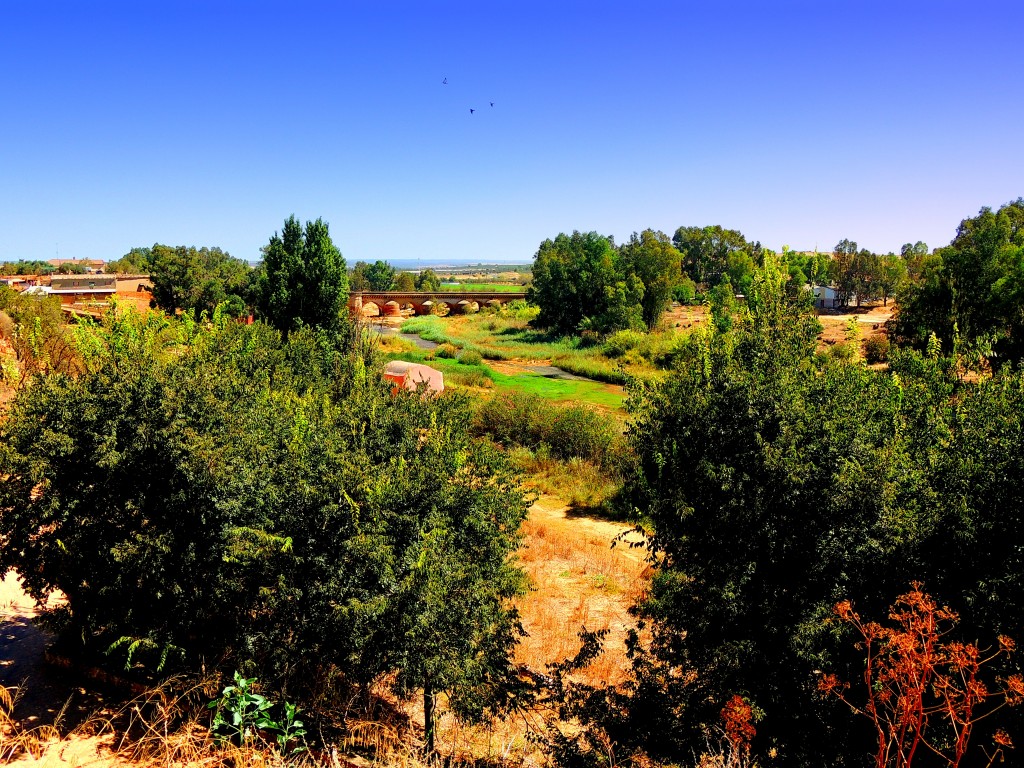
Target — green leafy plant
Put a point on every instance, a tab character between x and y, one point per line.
242	715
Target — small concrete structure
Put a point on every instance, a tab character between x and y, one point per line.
411	375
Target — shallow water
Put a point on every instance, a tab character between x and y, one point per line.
553	372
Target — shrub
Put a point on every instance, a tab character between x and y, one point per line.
844	351
470	357
685	292
518	309
876	349
447	351
186	501
524	419
579	432
621	342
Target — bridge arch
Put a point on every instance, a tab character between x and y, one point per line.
427	303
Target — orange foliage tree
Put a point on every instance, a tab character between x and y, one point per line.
925	692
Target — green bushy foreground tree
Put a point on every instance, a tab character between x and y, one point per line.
776	482
224	498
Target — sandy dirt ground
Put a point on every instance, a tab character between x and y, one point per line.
22	644
44	696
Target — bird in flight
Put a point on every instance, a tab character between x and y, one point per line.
492	103
445	81
471	110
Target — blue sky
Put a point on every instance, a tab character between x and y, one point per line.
208	123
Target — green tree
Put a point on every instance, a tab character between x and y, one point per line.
652	259
22	267
865	276
138	261
357	277
223	496
428	281
843	270
740	271
892	276
577	279
972	291
191	279
705	251
303	280
405	281
770	479
381	276
914	256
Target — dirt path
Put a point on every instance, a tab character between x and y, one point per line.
44	695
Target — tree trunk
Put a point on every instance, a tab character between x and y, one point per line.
428	719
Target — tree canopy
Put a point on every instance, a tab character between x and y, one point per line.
775	482
428	281
651	258
136	261
197	279
972	291
302	280
705	251
583	282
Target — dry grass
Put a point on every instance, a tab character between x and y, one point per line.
581	483
165	727
579	582
15	740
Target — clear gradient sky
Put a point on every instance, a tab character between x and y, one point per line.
798	122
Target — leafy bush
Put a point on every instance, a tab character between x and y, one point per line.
777	481
843	351
523	419
685	292
470	357
447	351
876	349
621	342
519	309
181	506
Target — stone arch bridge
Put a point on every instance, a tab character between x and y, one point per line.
393	303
